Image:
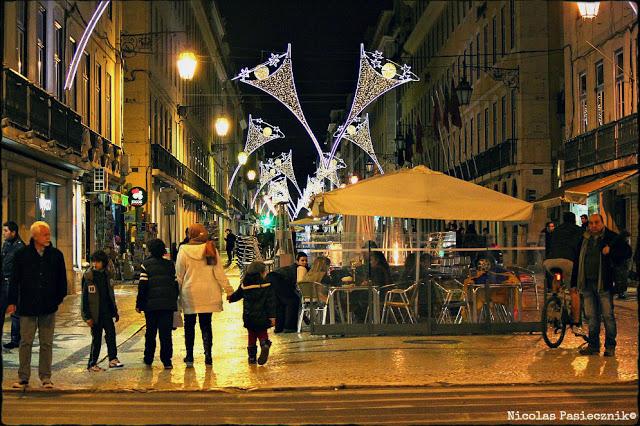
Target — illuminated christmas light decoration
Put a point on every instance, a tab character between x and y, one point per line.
256	137
374	79
278	191
330	170
86	35
361	136
280	84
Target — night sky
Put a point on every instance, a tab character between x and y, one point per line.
325	37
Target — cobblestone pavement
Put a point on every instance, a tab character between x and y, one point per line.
305	361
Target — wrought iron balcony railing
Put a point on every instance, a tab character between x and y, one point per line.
609	142
495	158
163	160
30	108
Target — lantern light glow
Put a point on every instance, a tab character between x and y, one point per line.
187	64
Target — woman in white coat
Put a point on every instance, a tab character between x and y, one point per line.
202	280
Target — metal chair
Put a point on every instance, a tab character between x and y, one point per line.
453	298
313	298
400	301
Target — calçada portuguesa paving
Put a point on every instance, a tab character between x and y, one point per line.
302	361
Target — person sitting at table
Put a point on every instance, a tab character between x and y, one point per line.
489	272
374	268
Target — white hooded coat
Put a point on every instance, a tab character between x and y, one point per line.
201	285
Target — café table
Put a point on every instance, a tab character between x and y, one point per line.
514	290
334	300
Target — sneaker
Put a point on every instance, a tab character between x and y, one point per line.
47	384
589	351
188	361
11	345
20	385
610	352
578	331
115	363
95	369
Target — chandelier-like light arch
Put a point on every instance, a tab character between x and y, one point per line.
259	133
376	76
277	80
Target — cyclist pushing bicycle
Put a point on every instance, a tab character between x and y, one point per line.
564	249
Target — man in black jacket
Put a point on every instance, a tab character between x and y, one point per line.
284	281
600	252
158	297
230	244
562	254
38	286
12	243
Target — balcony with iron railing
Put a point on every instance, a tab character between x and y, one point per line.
611	141
164	161
492	160
29	108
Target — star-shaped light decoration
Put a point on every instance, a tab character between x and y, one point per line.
372	83
277	81
258	134
330	170
360	135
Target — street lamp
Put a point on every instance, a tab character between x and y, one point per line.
243	157
464	91
369	166
353	179
588	9
187	64
222	126
251	175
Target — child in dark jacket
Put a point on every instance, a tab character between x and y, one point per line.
158	298
99	309
259	310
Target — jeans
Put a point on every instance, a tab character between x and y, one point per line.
106	324
597	305
4	295
158	322
45	324
204	320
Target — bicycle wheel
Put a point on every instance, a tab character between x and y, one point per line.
553	325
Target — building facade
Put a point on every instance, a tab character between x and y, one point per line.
169	126
56	142
601	101
509	134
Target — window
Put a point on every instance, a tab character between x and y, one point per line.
72	101
485	50
478	131
503	36
108	106
599	93
58	67
21	39
486	129
41	46
512	26
494	111
503	120
619	73
86	105
471	136
494	46
584	111
471	63
478	56
514	115
99	98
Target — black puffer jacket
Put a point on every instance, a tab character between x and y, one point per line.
259	302
565	242
39	283
157	289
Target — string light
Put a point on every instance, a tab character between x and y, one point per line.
279	84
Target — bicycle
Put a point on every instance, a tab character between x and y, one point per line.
556	313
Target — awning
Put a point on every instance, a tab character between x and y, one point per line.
578	191
307	221
421	193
